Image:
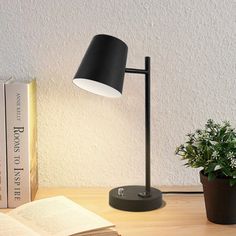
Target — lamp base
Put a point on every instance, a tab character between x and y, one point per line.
135	198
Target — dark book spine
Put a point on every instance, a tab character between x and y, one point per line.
3	162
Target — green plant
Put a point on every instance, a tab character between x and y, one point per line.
214	149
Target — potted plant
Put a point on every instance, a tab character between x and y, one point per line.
214	150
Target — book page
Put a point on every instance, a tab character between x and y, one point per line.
10	227
58	216
103	232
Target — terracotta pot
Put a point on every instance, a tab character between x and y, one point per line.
220	200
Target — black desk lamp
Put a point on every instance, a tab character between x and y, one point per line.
102	72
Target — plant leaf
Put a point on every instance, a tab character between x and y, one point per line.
211	176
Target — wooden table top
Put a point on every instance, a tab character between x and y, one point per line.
182	214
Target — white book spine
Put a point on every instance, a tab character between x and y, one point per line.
19	142
3	165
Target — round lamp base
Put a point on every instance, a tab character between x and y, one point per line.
134	198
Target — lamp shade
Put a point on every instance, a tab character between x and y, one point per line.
103	66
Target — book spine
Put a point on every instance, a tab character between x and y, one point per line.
21	142
3	161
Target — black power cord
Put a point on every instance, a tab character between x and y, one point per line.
182	192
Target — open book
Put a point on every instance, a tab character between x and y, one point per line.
56	216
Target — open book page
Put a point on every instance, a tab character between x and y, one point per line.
11	227
58	216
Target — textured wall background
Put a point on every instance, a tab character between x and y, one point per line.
85	139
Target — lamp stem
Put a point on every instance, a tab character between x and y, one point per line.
147	73
147	123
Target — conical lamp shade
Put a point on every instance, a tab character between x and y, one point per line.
103	66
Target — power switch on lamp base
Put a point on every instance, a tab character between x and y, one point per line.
129	198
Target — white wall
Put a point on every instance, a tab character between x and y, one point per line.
85	139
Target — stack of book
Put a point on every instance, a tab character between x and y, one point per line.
18	139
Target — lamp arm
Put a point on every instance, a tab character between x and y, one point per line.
147	73
136	71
